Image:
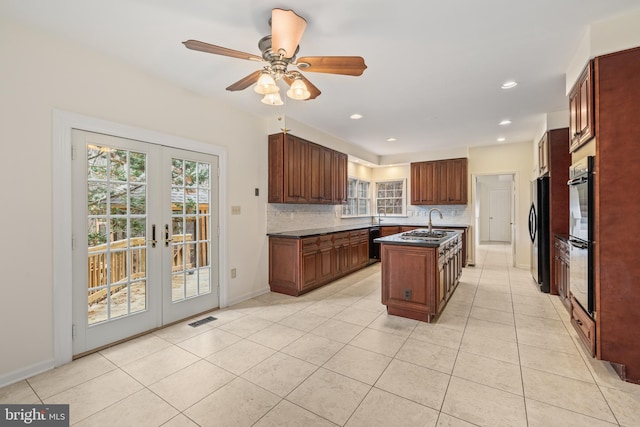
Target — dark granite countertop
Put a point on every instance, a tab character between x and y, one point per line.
396	239
297	234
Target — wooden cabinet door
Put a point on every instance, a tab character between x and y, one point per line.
363	252
388	230
315	172
574	116
324	265
423	183
309	269
543	155
581	109
326	175
340	178
341	253
586	106
456	182
295	170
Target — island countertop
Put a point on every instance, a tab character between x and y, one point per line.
397	239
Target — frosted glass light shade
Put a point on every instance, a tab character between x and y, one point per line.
272	99
298	90
266	85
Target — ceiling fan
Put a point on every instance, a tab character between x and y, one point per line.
279	51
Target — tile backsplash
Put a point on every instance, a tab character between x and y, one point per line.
288	217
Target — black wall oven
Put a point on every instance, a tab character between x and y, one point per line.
581	184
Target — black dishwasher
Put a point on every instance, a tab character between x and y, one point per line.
374	248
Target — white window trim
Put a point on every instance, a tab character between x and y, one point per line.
404	197
357	198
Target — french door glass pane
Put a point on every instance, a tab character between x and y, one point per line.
116	233
190	223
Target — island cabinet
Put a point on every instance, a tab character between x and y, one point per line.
417	281
299	265
301	171
441	182
463	228
581	109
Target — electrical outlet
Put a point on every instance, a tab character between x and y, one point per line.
233	273
407	294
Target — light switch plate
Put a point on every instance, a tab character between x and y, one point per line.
235	210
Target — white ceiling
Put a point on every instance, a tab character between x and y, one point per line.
434	67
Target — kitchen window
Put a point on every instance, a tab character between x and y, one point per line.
391	197
358	198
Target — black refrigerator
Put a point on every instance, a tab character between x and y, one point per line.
539	233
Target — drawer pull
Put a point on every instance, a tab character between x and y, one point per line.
579	322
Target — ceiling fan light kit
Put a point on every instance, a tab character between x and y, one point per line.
266	84
272	99
298	90
279	51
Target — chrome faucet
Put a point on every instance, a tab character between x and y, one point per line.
381	210
431	210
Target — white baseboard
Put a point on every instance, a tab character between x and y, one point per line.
248	296
27	372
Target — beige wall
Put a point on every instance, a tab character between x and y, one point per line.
613	35
508	158
41	73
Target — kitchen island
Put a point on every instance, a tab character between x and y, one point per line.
420	271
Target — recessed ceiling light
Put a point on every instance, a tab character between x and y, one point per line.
509	85
356	116
505	122
502	139
392	139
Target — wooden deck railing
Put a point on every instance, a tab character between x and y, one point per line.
99	273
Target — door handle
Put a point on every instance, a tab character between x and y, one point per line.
153	236
167	240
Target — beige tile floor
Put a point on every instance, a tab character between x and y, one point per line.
501	354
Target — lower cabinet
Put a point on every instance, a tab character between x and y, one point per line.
561	265
584	325
418	281
299	265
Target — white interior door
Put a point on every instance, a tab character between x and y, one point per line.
143	254
499	215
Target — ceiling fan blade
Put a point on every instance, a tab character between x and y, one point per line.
286	31
315	92
217	50
245	82
347	65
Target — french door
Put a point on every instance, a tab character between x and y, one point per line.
145	241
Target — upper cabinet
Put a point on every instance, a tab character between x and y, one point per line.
581	110
441	182
543	155
303	172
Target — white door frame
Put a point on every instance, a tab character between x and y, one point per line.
514	227
63	123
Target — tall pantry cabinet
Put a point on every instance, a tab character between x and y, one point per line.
616	100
